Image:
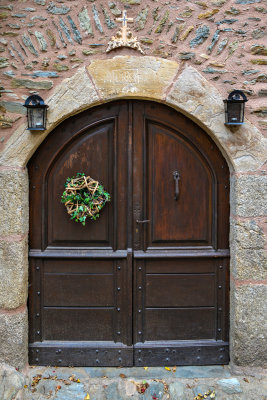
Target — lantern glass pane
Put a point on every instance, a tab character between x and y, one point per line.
235	112
36	120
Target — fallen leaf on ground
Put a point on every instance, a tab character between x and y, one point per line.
167	368
142	387
74	379
122	376
87	397
246	380
146	368
36	380
58	388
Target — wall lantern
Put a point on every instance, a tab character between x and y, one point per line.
36	113
234	108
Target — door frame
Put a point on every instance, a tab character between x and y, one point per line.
189	93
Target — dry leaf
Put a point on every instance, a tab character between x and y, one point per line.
74	379
87	397
212	395
142	387
122	376
36	380
146	368
173	369
246	380
58	388
167	368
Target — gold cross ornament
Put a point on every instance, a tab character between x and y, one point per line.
124	37
124	21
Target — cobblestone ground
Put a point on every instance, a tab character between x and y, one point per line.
177	383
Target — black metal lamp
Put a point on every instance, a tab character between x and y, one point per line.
234	108
36	113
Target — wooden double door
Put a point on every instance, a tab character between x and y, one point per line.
147	282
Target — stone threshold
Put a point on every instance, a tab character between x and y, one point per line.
136	383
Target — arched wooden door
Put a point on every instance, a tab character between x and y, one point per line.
146	283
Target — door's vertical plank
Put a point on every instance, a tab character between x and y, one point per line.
128	298
139	292
138	175
138	215
122	176
128	275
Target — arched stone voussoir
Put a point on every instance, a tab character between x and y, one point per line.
244	146
70	97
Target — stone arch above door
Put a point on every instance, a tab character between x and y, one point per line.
147	78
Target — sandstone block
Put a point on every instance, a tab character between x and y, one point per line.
196	96
13	202
139	77
248	256
11	381
14	339
249	196
249	325
13	274
74	94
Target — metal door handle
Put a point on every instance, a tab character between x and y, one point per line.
176	177
145	221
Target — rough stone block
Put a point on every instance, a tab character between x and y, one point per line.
196	96
176	391
74	94
249	325
111	392
11	381
14	339
13	274
249	195
13	202
248	259
154	391
230	386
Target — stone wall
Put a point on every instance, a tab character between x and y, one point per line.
42	42
204	50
